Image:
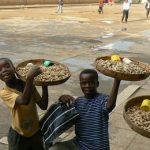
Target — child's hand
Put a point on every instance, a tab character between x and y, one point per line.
66	99
34	71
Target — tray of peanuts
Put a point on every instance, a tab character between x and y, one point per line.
137	114
122	68
53	73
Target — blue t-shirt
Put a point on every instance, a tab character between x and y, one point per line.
92	126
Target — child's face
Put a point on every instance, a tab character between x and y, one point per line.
6	71
89	84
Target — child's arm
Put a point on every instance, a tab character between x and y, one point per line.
111	103
24	99
43	103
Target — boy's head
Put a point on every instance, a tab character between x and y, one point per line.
7	70
89	82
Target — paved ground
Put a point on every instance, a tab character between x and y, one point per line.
77	37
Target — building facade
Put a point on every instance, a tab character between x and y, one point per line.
31	2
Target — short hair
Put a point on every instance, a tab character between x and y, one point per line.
89	71
9	61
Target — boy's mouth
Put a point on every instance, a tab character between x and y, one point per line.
6	76
87	91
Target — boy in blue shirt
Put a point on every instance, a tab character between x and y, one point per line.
91	128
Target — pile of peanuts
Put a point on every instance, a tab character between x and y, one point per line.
52	73
139	117
121	67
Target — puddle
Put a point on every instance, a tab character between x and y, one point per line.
2	44
75	41
109	35
77	63
145	33
97	40
119	46
107	21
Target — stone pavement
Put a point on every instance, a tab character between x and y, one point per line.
76	38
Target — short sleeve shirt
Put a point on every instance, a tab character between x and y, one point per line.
24	117
92	126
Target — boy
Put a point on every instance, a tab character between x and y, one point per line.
21	99
91	128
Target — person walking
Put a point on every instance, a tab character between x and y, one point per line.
101	5
147	7
126	7
60	6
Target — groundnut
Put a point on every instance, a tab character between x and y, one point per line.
139	117
51	73
121	67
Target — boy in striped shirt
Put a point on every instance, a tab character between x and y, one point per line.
92	126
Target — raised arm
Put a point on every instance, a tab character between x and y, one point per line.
111	103
24	99
43	103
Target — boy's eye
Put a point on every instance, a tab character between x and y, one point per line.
90	83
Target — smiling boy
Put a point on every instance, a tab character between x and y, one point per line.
21	99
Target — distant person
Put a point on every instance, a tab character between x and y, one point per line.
60	6
110	2
126	7
130	1
101	5
147	7
106	1
91	128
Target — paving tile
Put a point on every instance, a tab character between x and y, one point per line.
126	93
120	137
3	147
139	143
119	109
117	120
116	147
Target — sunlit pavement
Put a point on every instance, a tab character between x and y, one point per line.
76	38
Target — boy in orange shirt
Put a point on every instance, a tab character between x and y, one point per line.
21	99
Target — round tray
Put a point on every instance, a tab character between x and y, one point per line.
39	62
123	76
132	102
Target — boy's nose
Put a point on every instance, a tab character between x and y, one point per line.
87	84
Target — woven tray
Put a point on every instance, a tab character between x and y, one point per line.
132	102
123	76
39	83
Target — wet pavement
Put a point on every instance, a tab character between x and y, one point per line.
75	38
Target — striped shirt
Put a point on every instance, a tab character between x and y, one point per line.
92	126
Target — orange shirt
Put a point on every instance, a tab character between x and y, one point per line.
24	117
